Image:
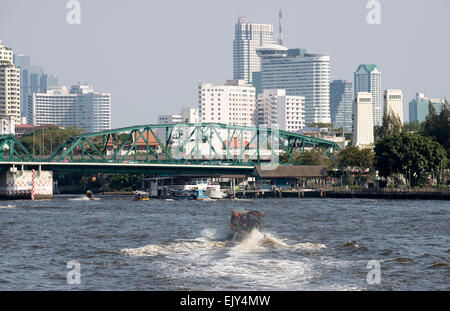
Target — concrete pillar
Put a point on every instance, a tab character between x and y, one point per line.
18	184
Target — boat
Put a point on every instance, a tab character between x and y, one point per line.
90	195
243	222
187	195
140	195
182	187
214	192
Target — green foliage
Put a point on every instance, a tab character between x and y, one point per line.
415	126
44	141
315	156
126	182
355	158
321	125
392	125
438	126
408	154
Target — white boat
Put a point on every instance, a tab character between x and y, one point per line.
214	192
165	186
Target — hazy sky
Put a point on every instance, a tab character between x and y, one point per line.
151	55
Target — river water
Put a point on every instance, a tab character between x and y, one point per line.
308	244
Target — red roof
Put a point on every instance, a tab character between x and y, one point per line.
236	143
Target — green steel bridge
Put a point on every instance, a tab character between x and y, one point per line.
168	149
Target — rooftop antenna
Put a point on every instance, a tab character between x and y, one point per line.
280	29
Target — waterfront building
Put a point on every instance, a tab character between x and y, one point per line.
300	74
276	109
418	107
368	79
393	103
81	107
247	38
341	104
9	85
363	120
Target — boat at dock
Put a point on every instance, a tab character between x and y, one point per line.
187	195
183	187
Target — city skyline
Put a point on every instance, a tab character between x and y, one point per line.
88	51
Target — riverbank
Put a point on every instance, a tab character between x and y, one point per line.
391	194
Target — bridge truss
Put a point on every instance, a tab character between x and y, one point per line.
188	144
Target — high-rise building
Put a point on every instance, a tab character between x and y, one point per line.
393	103
418	107
232	103
81	107
368	79
9	85
247	38
275	108
33	80
300	74
341	104
363	120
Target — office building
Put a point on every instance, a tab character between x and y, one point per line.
9	85
81	107
393	103
33	80
300	74
363	120
247	38
418	107
368	79
278	110
341	104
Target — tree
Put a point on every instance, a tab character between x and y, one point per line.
409	154
392	125
355	158
438	126
414	126
44	141
315	156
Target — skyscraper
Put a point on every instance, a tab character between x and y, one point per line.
393	103
368	79
33	80
300	74
363	126
341	104
9	85
247	38
418	107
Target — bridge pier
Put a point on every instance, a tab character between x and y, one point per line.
19	184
